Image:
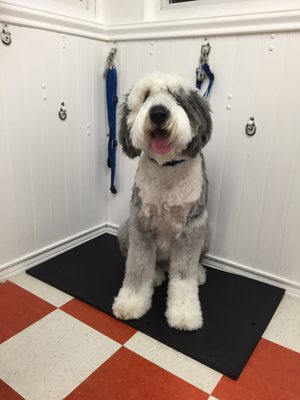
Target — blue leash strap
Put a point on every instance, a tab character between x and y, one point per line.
202	71
112	100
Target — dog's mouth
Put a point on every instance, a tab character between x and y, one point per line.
160	141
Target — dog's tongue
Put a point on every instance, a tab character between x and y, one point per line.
160	144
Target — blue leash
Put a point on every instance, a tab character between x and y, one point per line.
112	100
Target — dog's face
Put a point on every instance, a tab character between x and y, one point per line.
165	118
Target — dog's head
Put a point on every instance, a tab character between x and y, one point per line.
164	117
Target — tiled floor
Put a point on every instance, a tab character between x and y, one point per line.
54	347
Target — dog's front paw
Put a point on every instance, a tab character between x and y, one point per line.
185	317
183	309
132	305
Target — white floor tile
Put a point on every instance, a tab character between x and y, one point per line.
212	398
284	328
50	358
177	363
41	289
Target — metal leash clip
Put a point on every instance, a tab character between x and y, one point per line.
205	50
111	58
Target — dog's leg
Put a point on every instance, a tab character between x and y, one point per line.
135	296
201	274
123	237
160	273
183	305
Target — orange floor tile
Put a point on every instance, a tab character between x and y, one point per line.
98	320
7	393
19	309
272	373
128	376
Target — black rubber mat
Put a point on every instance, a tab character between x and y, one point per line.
236	309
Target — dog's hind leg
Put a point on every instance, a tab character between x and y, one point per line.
123	237
201	275
201	269
160	273
135	296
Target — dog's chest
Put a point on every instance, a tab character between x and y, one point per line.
168	193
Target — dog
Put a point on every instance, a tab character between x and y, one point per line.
167	123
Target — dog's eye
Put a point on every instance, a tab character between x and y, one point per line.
146	95
176	98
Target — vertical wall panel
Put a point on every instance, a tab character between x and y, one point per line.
128	64
86	134
17	134
223	60
289	260
55	131
266	113
99	131
32	68
70	95
8	223
185	55
163	54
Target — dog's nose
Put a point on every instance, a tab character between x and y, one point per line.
159	114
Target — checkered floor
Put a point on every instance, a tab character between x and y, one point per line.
56	347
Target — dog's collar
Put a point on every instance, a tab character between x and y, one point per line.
171	163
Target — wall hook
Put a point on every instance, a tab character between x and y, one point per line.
205	50
6	35
62	113
250	127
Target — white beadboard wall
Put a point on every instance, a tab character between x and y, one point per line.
254	191
52	173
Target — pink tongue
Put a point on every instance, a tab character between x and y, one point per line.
160	145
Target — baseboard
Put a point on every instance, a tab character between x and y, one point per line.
41	255
239	269
245	270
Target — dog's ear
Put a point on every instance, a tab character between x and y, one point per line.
203	111
201	114
198	112
124	132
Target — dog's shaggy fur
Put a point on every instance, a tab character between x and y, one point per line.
167	228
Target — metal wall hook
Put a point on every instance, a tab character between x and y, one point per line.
250	127
6	35
205	50
62	113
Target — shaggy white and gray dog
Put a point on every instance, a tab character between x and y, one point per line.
167	123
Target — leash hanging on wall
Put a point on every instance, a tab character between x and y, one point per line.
111	101
203	72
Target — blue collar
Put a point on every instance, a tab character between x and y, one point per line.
171	163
